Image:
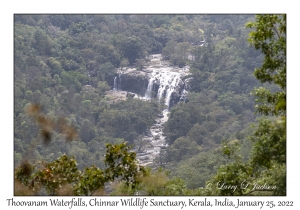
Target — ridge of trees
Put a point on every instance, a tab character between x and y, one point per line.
67	62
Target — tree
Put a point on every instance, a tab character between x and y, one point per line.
178	125
55	66
61	175
42	42
122	164
267	165
270	138
182	148
106	70
270	38
131	47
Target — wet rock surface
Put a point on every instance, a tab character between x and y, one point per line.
156	142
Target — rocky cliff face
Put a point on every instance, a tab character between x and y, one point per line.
134	82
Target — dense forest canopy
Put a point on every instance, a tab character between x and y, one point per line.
65	64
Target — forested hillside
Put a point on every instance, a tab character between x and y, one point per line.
65	64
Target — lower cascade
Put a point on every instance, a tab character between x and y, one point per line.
158	81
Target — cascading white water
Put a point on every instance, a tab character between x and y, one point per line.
120	82
115	84
148	93
168	82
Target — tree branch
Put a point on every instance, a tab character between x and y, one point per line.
275	29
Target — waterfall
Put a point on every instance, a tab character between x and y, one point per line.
168	82
118	82
148	93
171	84
115	84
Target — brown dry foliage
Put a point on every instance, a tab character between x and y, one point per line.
48	125
21	190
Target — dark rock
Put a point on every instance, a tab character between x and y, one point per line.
134	83
160	115
148	133
130	95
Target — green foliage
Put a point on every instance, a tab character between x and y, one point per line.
177	53
269	143
102	87
196	133
67	62
89	181
55	176
128	119
131	47
270	103
42	42
232	174
196	170
155	183
55	66
80	27
178	124
73	78
122	164
106	70
270	38
181	149
270	137
51	176
267	163
23	173
230	149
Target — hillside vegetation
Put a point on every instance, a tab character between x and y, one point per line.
64	64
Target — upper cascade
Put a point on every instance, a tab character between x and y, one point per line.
168	82
156	80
